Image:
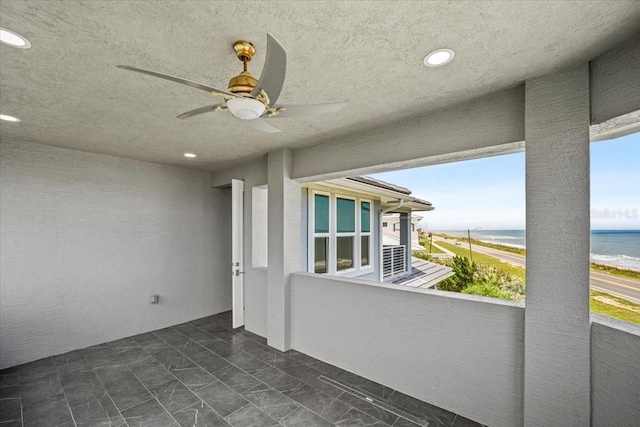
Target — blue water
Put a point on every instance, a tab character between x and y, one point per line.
615	247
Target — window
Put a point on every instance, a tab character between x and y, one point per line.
346	232
396	226
340	234
345	253
385	224
321	232
365	233
320	260
413	227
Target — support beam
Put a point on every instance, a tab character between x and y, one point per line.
557	351
284	212
487	126
615	82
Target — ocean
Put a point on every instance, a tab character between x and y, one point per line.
613	247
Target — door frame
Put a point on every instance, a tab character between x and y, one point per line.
237	252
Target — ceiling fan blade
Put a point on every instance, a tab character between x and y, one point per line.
196	85
201	110
260	124
273	72
309	110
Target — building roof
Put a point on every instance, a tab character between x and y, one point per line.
390	194
381	184
413	202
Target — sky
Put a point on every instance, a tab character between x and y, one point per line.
490	192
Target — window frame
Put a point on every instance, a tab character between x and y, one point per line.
352	234
313	234
332	268
365	233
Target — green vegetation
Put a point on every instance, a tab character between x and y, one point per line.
433	249
484	259
616	271
481	279
422	255
485	290
463	277
612	306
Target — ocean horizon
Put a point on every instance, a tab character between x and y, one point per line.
614	247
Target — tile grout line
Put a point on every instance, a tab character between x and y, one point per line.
244	406
73	418
284	372
230	363
301	405
21	407
64	393
108	394
168	370
152	398
194	391
269	365
372	400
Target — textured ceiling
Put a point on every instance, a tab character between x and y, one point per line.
68	92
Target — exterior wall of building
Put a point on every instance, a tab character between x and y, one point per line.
87	238
393	227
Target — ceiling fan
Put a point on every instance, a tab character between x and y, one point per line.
249	99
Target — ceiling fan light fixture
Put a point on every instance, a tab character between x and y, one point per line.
439	57
10	38
246	108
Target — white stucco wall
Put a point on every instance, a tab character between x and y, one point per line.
615	372
87	238
458	352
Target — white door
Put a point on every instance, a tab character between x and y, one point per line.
237	209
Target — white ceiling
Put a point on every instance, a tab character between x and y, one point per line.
68	92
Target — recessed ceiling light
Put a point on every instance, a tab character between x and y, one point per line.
189	155
439	57
9	118
10	38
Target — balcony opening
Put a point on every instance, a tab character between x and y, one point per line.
615	228
477	227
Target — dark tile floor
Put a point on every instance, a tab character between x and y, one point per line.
201	373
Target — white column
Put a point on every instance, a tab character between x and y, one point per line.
284	213
405	238
557	352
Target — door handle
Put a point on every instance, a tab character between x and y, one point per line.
238	272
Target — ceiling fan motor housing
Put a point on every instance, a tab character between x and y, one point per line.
242	83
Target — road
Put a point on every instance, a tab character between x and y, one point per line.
619	286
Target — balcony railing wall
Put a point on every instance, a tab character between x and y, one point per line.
458	352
